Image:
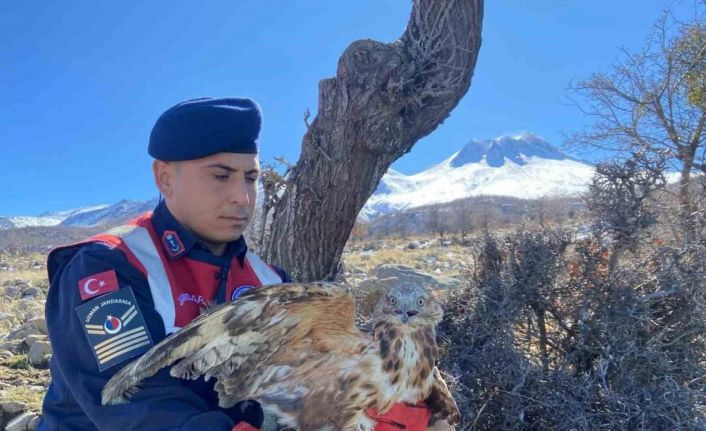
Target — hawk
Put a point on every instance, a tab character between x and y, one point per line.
295	349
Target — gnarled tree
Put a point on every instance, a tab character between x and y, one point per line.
384	98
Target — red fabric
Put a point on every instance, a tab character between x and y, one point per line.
244	426
194	283
98	284
402	416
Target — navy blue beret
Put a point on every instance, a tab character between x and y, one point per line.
202	127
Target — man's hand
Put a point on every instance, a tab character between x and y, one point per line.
401	416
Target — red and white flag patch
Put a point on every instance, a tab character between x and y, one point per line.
98	284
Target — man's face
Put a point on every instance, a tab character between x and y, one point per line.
214	197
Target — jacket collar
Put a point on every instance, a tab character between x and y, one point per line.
177	241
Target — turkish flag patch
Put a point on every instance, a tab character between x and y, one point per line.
98	284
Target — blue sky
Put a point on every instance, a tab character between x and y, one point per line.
82	82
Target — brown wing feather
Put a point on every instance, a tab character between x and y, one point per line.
244	336
442	403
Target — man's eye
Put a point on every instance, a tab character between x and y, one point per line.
221	177
251	179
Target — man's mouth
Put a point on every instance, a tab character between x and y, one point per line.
238	220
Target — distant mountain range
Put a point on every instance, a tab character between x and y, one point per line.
522	166
91	216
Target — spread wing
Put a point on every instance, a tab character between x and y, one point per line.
442	405
253	336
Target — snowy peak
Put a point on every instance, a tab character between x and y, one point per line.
495	152
82	217
64	214
522	166
110	215
49	218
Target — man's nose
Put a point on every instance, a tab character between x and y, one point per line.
239	193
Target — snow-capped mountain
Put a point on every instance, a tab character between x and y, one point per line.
82	217
522	166
64	214
45	219
110	215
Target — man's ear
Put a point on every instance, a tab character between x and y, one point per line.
164	173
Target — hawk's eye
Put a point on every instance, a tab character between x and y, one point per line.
420	302
392	300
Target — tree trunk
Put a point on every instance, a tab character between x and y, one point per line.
384	98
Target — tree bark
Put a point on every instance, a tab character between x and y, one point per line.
384	98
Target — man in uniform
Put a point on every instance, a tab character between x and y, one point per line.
117	294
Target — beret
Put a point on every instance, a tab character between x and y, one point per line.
202	127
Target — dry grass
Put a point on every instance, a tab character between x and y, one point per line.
31	267
24	383
447	260
32	396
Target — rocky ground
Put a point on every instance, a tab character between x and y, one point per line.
24	347
25	350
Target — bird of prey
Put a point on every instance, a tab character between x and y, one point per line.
295	349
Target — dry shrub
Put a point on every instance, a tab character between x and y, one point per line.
605	333
545	337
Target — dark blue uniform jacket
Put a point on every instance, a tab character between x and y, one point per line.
73	401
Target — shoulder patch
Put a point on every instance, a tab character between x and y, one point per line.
237	293
98	284
114	327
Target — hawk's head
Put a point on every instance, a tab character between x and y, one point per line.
408	304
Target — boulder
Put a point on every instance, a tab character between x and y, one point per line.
413	245
33	338
40	323
31	292
11	292
407	274
23	331
13	346
22	422
12	408
39	354
34	423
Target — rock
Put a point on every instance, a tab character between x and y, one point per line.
12	345
368	293
22	332
34	423
38	353
413	245
31	292
21	422
11	292
33	338
13	407
20	284
5	354
406	274
40	323
4	386
371	246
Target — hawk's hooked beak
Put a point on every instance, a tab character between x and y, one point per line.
405	315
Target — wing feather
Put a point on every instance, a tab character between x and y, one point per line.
442	403
245	336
